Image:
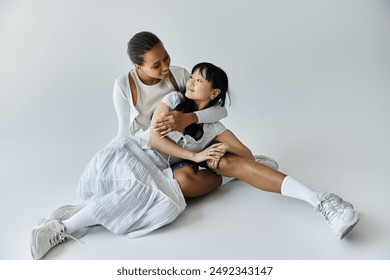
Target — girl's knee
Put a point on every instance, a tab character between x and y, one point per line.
186	177
226	165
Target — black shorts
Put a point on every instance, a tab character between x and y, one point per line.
195	166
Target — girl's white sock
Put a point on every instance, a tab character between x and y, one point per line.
293	188
79	220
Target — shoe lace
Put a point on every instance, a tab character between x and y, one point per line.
329	208
60	237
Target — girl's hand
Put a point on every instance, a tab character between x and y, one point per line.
174	121
213	163
214	152
223	146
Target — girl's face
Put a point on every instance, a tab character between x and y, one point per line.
156	64
200	90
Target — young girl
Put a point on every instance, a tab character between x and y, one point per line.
206	87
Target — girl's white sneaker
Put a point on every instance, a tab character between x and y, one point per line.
339	214
270	162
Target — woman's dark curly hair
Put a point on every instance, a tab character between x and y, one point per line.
140	44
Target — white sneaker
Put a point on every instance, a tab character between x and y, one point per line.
339	214
267	161
45	237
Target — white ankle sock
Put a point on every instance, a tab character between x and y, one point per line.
226	180
292	188
79	220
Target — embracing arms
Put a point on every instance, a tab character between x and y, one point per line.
170	121
177	121
168	148
228	143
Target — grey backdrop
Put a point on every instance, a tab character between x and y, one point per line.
309	86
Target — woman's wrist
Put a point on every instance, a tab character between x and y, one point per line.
191	118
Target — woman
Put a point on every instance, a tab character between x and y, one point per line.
208	86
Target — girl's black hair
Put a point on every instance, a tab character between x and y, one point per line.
140	44
218	79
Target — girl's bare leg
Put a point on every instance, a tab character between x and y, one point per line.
198	183
339	214
251	172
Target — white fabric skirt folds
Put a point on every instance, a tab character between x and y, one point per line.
127	192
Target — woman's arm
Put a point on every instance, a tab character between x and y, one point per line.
177	121
166	147
122	108
173	121
212	114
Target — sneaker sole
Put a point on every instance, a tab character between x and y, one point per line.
351	225
32	242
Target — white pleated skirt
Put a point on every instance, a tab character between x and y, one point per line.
129	190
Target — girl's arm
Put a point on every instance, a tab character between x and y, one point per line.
166	147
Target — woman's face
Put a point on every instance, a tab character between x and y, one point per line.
156	63
199	89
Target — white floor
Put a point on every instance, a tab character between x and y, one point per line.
311	92
235	222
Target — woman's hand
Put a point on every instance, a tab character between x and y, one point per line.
174	121
214	152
